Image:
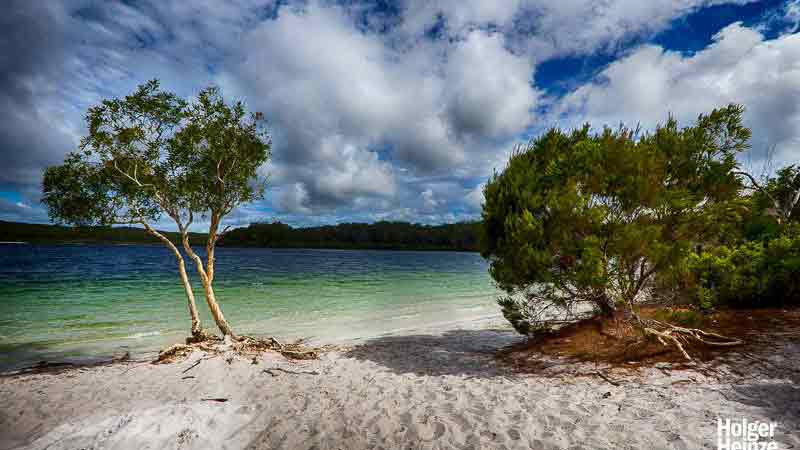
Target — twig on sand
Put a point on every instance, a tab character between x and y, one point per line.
193	365
187	377
219	400
294	372
605	377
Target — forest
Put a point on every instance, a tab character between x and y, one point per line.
378	236
383	235
57	234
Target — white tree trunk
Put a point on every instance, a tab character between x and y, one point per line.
211	299
187	286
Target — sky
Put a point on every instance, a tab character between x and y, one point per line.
401	110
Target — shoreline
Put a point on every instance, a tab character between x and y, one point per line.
443	390
150	352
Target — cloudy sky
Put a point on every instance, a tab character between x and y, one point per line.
393	110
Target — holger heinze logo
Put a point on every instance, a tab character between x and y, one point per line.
743	434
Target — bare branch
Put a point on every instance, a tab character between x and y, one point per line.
760	188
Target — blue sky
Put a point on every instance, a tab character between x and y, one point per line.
393	110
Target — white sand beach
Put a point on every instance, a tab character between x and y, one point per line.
442	391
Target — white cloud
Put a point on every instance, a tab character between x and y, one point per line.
421	15
489	90
474	198
429	203
740	66
337	95
293	199
547	28
393	124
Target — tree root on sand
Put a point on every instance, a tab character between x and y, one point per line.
679	335
245	346
295	350
201	336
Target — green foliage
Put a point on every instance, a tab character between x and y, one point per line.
122	172
152	153
752	274
683	317
756	261
221	148
590	218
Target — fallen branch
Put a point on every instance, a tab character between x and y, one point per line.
219	400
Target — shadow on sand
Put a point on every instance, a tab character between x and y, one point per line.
780	402
469	353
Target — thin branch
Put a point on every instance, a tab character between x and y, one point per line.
759	187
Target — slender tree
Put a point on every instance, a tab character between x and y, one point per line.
222	147
152	154
123	172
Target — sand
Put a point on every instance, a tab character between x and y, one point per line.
437	391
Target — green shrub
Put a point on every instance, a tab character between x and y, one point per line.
753	274
581	220
683	317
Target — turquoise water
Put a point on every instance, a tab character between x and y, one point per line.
77	302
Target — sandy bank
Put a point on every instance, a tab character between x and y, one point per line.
421	391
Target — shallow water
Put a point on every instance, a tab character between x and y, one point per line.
78	302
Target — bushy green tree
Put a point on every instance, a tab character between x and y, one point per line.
584	218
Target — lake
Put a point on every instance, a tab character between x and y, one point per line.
86	302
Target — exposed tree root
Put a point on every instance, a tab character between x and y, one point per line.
679	336
296	350
245	346
201	336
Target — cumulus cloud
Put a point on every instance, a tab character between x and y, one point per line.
429	203
392	114
474	198
421	15
293	199
548	28
489	89
741	66
338	95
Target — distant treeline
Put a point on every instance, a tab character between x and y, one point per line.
38	233
380	235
